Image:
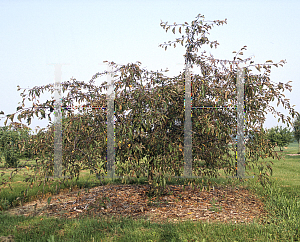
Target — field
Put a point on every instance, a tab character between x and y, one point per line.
280	200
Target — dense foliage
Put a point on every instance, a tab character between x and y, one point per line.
280	137
12	139
296	131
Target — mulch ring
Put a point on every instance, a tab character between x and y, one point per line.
223	204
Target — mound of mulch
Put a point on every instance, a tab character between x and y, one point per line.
224	204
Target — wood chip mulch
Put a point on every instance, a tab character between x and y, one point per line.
223	204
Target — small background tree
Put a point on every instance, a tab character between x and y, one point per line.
296	132
280	137
12	138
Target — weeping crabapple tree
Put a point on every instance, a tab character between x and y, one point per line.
154	126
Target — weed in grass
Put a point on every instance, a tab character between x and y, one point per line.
4	204
51	239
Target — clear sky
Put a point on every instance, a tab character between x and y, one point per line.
34	34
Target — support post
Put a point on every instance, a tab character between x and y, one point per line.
240	124
110	124
57	123
188	155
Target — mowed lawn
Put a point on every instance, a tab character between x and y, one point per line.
281	199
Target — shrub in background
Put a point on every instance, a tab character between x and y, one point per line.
280	136
296	127
11	139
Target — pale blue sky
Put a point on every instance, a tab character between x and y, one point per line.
86	33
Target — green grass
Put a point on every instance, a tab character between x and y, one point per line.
281	199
